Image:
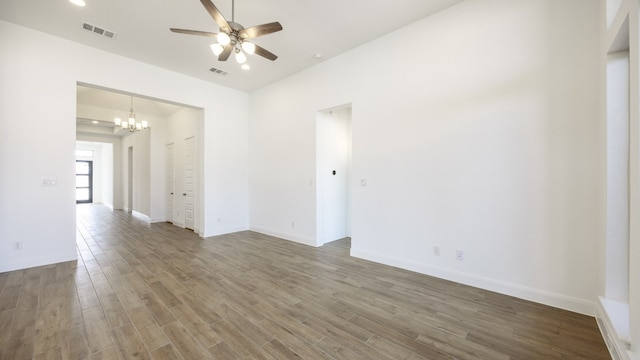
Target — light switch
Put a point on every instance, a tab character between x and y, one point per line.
49	182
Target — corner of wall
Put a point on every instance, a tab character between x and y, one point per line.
617	347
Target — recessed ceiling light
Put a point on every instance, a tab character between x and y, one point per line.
78	2
318	56
245	66
95	121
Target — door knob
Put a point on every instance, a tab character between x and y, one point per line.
171	193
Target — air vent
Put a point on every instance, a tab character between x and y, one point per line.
218	71
98	30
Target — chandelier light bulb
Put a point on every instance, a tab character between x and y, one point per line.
217	49
125	124
249	47
145	124
223	39
118	121
240	57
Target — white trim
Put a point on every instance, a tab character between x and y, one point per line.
523	292
31	262
223	231
294	238
611	316
141	216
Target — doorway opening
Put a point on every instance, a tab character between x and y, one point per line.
333	174
129	167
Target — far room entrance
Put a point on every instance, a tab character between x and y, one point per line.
129	168
333	174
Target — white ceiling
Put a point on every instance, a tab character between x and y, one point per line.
108	99
329	27
97	108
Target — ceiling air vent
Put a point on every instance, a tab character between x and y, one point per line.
218	71
98	30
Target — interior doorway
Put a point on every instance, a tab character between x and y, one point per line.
131	179
333	174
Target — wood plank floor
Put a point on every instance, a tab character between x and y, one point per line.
141	291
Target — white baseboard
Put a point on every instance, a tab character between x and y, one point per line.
618	347
39	261
222	231
141	216
523	292
290	237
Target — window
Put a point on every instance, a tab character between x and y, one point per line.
84	181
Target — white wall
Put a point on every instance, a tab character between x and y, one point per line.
477	129
107	175
617	269
139	142
157	132
27	80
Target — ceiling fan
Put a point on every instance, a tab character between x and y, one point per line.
233	37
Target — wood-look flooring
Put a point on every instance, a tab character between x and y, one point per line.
140	291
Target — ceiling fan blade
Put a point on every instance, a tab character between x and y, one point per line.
259	30
225	53
265	53
216	15
193	32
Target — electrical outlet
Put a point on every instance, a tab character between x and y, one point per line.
436	250
459	255
17	245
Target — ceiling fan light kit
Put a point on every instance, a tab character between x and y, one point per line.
78	2
217	49
233	37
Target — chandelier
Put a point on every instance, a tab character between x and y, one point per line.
131	123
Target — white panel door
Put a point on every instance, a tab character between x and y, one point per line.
189	186
170	183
